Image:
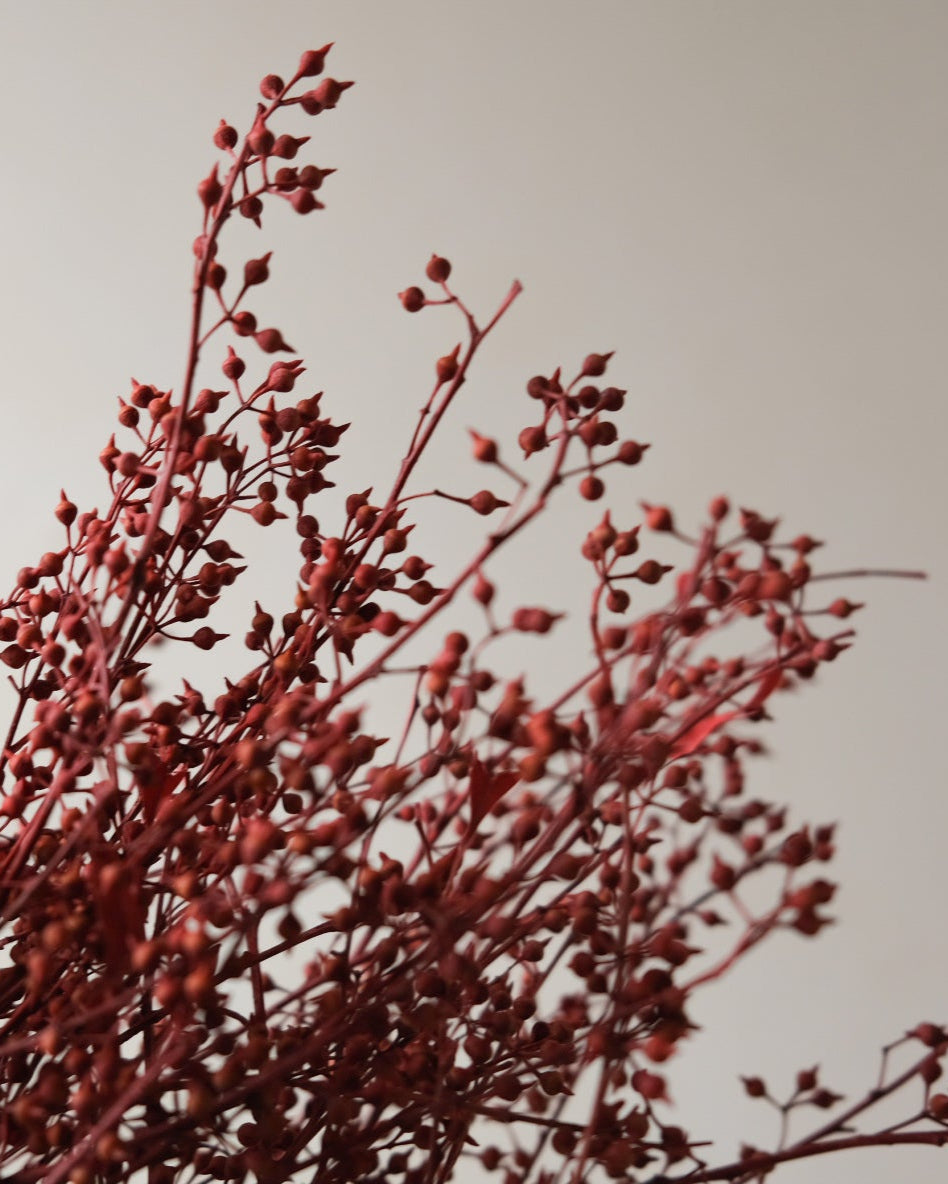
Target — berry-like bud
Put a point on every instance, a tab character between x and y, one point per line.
271	340
595	364
304	203
210	190
630	452
272	86
484	502
719	507
532	440
256	271
233	366
485	450
658	517
226	136
412	299
438	269
447	367
261	140
591	488
312	61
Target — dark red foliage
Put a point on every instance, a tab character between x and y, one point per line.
248	939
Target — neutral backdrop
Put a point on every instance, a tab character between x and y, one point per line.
746	200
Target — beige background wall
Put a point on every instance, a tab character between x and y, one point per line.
745	199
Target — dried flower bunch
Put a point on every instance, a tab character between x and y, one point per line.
214	968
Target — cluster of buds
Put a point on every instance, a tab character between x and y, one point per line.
245	938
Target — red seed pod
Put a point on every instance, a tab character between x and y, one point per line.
534	620
595	364
261	140
66	510
271	340
15	656
650	572
722	875
415	567
245	323
658	518
775	585
484	502
304	203
210	190
215	276
387	623
630	452
447	367
226	136
719	508
532	440
483	590
796	850
842	608
591	488
128	416
328	93
649	1085
627	542
618	600
251	207
938	1107
311	177
485	450
272	86
438	269
312	61
233	366
412	299
756	527
257	271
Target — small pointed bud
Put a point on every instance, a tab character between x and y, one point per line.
446	368
658	517
718	509
206	638
328	92
484	449
210	190
272	86
271	340
412	299
755	1086
312	61
251	207
304	203
438	269
484	502
534	620
842	608
261	140
233	365
595	364
257	271
226	136
630	452
483	590
66	511
532	440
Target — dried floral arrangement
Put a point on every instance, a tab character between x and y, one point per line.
173	1007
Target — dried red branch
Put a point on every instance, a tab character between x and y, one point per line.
251	939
